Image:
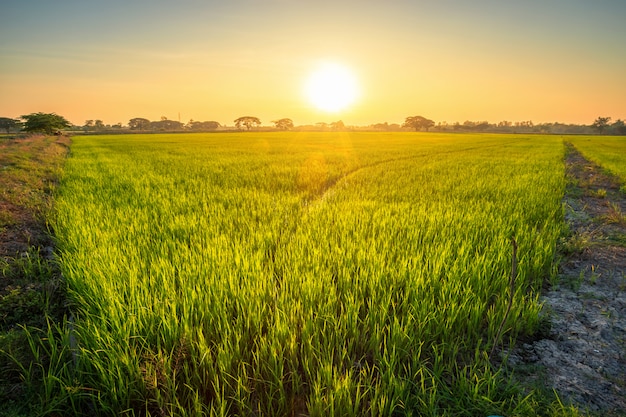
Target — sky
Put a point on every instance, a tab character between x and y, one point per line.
447	60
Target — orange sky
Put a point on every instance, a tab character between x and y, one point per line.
454	60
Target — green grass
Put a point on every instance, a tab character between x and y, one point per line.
606	151
287	273
31	288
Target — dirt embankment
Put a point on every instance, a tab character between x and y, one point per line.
29	172
583	355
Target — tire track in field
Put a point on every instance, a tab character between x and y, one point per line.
331	184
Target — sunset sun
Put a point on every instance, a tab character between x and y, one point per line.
331	87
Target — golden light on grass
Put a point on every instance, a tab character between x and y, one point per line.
331	87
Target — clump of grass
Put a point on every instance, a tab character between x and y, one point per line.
615	214
577	242
599	193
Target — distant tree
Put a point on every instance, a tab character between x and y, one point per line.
98	124
338	125
283	124
139	123
543	127
418	123
47	123
7	124
166	125
197	126
442	126
380	126
247	121
478	126
88	125
482	126
469	125
619	127
601	123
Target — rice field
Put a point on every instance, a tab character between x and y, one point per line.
606	151
286	274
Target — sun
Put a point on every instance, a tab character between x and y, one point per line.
331	87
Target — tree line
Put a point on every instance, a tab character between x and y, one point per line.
51	123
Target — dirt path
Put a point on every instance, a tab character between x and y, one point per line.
583	355
29	170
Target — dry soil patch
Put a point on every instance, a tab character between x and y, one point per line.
583	355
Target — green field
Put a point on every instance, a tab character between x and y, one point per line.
607	151
301	273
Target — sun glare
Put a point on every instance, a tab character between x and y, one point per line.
331	87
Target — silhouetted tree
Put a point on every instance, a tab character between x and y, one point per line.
601	123
338	125
7	124
139	123
283	124
418	123
481	126
47	123
165	124
193	125
247	121
619	127
380	126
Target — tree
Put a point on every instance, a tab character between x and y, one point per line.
380	126
139	123
283	124
418	123
338	125
47	123
166	125
482	126
7	124
601	123
99	125
619	127
247	121
211	125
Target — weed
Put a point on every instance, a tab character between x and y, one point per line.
578	242
615	214
593	277
599	193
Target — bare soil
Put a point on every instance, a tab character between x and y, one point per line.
582	356
29	169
